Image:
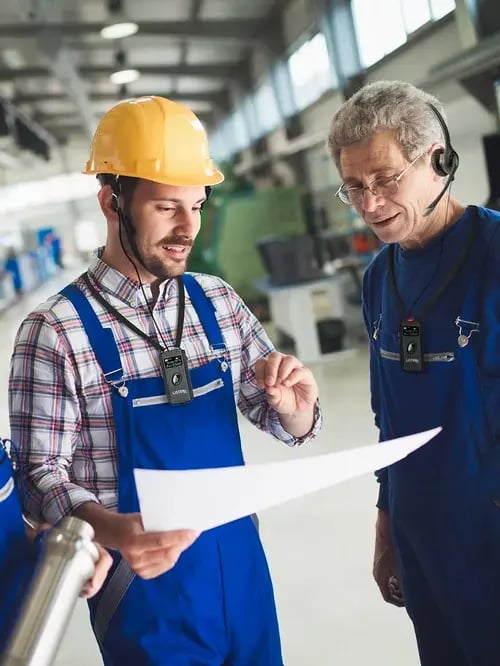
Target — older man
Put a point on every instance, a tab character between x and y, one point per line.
431	301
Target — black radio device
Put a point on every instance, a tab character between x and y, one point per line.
175	373
411	347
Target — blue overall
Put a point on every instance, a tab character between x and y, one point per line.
16	557
441	498
216	606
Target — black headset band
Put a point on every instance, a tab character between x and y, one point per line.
444	126
447	162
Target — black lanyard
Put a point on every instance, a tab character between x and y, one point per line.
180	313
451	275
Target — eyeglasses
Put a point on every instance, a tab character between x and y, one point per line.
380	187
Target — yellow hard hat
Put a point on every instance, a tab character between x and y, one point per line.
156	139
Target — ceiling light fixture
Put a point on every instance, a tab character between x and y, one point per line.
119	30
123	76
118	26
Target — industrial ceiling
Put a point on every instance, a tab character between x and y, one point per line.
55	66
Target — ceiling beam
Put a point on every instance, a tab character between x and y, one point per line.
66	123
66	73
272	35
207	29
16	112
184	46
195	9
61	64
216	98
217	70
70	117
58	118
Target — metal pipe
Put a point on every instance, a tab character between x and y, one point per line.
66	564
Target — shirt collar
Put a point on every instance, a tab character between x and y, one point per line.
122	287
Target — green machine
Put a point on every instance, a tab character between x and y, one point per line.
235	218
203	257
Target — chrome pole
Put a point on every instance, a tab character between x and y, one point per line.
66	564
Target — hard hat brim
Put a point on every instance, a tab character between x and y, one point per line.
213	179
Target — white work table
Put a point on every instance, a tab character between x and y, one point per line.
292	312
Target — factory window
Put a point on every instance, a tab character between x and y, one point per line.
395	20
310	71
283	86
250	115
222	141
440	8
415	14
379	27
266	108
240	131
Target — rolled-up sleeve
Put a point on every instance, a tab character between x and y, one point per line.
252	400
44	419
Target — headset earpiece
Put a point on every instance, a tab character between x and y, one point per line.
437	161
444	164
454	161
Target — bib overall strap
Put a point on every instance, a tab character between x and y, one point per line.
205	310
101	339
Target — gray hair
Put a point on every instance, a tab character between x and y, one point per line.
387	105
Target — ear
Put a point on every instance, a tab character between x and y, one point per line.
107	202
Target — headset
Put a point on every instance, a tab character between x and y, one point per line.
123	218
444	161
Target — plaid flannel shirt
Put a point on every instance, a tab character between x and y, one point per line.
60	404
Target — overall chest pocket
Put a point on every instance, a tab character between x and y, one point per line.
433	357
414	401
441	349
199	391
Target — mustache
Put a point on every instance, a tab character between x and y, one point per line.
176	240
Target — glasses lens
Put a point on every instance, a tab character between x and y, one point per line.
385	188
343	195
351	196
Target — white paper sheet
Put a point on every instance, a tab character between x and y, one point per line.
205	498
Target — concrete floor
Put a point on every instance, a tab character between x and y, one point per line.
319	547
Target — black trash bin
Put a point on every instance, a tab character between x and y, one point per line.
331	334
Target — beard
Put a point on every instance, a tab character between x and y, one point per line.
156	260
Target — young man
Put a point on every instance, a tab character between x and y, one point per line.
431	301
138	364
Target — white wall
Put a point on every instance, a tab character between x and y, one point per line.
413	63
